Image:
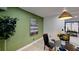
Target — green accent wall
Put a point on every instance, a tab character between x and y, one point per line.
22	35
1	45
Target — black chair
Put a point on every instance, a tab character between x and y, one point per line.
50	45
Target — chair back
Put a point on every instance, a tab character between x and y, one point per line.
46	39
64	37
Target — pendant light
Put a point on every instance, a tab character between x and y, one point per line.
65	15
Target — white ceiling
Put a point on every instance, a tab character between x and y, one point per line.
51	11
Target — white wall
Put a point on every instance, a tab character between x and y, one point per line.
53	26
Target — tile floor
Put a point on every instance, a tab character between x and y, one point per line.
39	46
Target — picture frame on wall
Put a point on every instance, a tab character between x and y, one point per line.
33	26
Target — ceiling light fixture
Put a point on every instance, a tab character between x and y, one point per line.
65	15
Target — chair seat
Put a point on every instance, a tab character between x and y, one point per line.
51	45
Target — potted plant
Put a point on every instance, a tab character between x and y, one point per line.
7	26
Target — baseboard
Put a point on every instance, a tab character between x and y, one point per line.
26	46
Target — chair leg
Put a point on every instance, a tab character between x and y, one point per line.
44	47
50	49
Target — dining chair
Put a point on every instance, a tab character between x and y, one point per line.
47	43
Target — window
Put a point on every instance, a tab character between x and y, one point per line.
72	26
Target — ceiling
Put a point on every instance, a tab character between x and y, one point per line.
51	11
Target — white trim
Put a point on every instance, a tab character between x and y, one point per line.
26	46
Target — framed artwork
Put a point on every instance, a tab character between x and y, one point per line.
33	26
